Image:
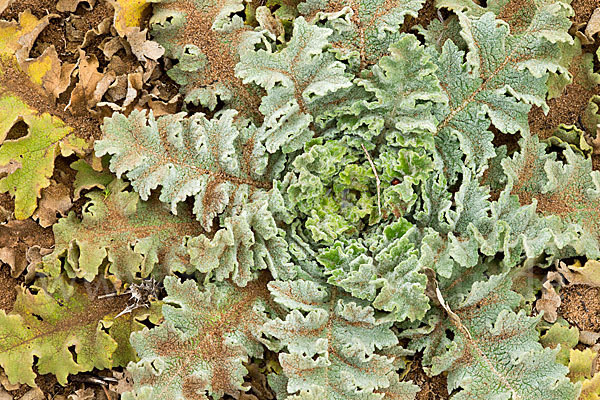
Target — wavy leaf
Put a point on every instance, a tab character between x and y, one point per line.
295	79
215	162
200	349
504	73
206	38
363	29
489	350
569	191
64	331
386	273
247	243
139	239
331	343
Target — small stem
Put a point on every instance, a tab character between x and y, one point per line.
112	295
106	393
378	183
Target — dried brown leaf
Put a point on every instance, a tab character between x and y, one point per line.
588	275
102	86
83	394
143	48
34	394
111	47
134	84
124	384
28	38
16	237
160	107
6	384
593	26
103	28
549	302
589	337
257	384
4	4
268	21
56	199
82	97
58	77
34	256
4	395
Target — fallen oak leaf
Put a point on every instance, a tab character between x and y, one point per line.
16	238
142	47
550	300
17	38
83	394
128	14
593	26
49	72
589	274
82	96
56	199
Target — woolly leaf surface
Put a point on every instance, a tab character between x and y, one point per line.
363	29
498	79
568	190
246	243
200	349
489	350
206	38
296	78
212	160
331	343
138	239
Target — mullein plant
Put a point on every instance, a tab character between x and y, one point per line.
336	198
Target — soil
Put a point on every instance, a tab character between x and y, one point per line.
583	10
51	388
566	109
581	306
432	388
8	286
426	14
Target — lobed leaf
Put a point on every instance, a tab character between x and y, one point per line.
331	342
64	332
206	38
295	79
214	161
201	348
30	159
363	29
138	239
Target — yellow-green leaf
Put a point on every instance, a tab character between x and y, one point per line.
29	160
